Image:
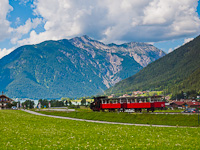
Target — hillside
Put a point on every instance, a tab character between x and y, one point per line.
71	68
176	71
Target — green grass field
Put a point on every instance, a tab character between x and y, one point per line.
20	130
138	118
170	110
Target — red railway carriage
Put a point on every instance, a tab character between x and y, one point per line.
137	105
158	104
123	103
110	106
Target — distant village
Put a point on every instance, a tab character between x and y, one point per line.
6	102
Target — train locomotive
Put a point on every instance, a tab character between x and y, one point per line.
150	103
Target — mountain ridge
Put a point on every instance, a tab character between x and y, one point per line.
167	73
76	67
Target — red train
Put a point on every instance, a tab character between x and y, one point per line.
127	103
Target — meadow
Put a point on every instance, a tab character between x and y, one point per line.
20	130
137	118
170	110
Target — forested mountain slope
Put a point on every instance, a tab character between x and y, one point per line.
71	68
179	70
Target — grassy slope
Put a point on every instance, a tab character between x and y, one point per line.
159	119
20	130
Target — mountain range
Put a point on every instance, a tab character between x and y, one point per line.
76	67
177	71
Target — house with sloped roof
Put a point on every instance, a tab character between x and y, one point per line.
177	104
192	104
4	101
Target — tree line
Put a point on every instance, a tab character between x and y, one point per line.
45	103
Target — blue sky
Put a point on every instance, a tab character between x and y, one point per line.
167	24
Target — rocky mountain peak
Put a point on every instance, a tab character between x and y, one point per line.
143	53
71	68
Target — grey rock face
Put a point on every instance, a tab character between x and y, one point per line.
77	67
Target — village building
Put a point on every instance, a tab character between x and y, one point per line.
4	101
111	96
177	104
126	95
185	104
137	93
192	104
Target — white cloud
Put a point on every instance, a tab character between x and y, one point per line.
170	50
4	51
105	20
152	43
18	20
24	2
116	20
187	40
24	29
7	32
184	42
5	29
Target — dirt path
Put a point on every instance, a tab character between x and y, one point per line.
105	122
